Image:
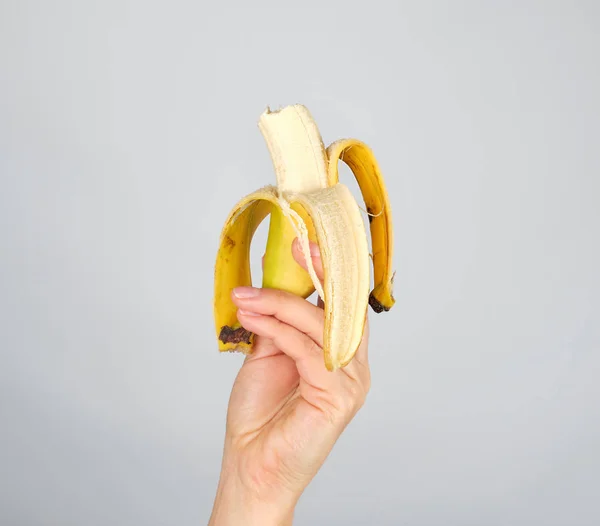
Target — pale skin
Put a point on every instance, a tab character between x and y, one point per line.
286	411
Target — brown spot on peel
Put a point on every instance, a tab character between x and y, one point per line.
230	335
376	304
228	242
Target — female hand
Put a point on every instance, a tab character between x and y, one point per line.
286	409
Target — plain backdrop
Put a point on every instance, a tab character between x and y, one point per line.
127	133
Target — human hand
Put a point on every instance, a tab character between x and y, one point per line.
286	409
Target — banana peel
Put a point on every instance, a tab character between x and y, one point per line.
309	202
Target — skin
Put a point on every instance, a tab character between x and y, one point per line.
286	411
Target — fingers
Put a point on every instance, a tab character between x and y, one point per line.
293	342
316	261
305	352
315	257
294	325
338	394
301	260
298	314
263	348
361	353
284	306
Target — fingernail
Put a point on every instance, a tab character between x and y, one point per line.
245	292
247	313
315	252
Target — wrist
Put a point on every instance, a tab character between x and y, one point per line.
236	504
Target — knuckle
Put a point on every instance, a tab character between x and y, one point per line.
283	296
356	397
310	347
279	299
278	295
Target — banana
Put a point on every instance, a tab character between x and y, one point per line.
361	160
310	203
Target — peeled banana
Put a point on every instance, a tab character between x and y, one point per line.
310	203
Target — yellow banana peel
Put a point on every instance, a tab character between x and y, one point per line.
310	203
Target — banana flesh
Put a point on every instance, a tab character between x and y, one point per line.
310	203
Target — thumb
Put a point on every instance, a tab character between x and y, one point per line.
315	255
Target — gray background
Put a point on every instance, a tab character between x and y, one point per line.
128	131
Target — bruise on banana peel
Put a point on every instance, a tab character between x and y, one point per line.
376	305
232	269
238	335
310	203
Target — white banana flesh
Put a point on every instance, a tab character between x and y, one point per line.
316	208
